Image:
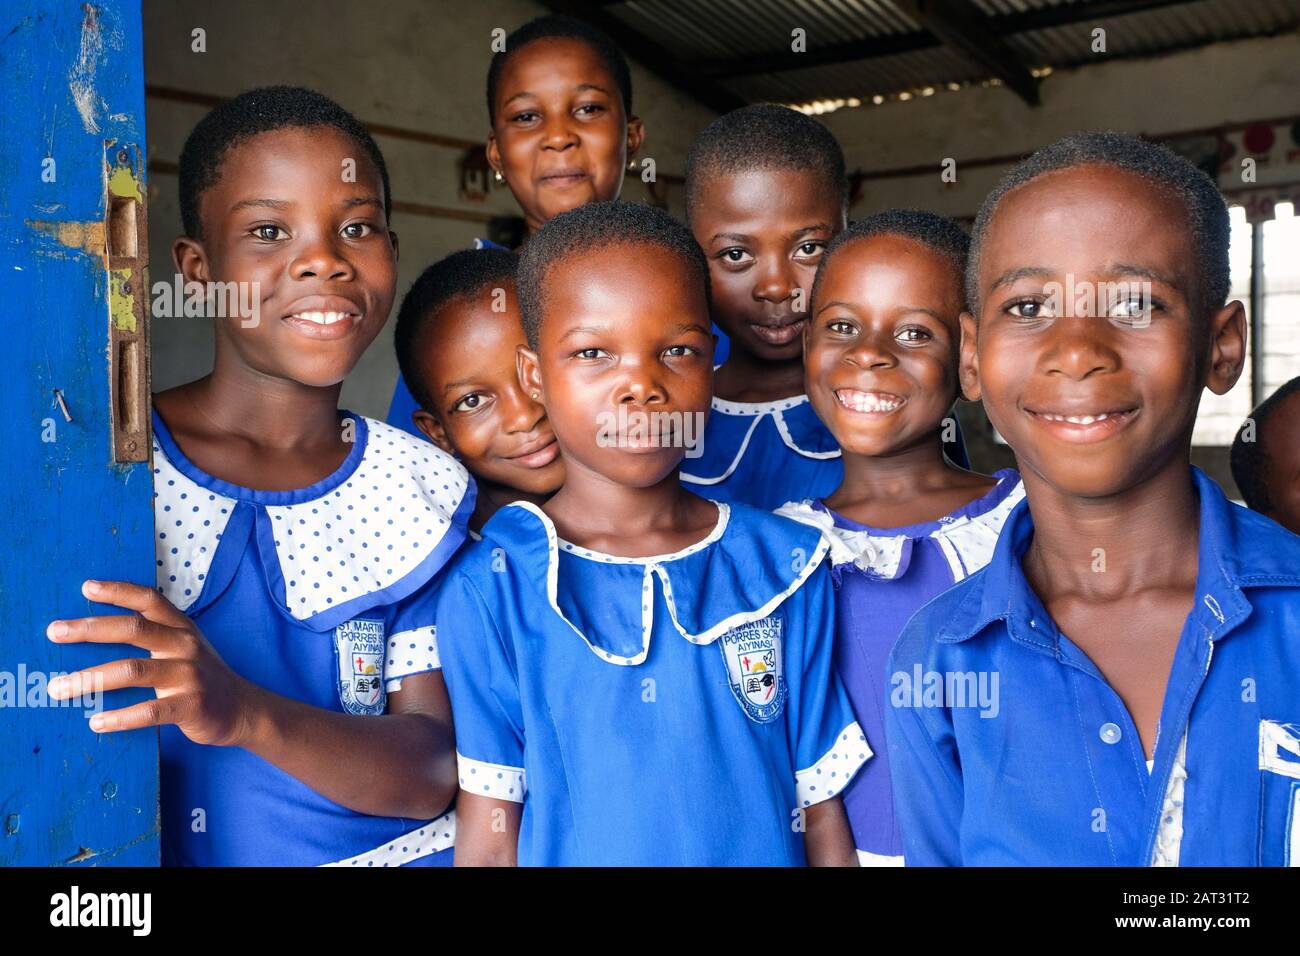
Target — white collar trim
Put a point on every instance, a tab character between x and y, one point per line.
655	566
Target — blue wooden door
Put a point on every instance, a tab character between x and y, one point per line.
75	488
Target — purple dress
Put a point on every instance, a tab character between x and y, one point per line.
881	577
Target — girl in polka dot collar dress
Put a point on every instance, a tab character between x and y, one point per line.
290	638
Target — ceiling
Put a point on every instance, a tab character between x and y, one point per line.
727	53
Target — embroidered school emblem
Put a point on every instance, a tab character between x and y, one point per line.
359	653
755	668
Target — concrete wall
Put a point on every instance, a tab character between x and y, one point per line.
418	64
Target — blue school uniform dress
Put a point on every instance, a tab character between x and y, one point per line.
882	576
1049	770
317	594
766	454
403	403
672	710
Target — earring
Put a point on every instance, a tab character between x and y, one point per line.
631	165
498	177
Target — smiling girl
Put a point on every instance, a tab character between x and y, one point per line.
559	100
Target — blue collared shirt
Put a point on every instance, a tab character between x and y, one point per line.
1009	747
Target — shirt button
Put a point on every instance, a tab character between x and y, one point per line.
1110	733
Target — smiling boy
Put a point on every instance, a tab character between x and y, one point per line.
1143	629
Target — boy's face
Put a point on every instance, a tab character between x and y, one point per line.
282	215
467	362
626	328
560	138
1094	396
882	346
763	232
1280	437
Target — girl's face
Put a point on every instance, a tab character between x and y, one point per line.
480	411
560	137
882	346
314	248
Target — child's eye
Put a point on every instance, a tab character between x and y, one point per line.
470	402
268	233
590	109
914	333
1134	310
589	354
1027	309
527	116
357	230
811	248
840	327
678	351
734	255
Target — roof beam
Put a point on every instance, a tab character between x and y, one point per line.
652	56
1001	26
962	27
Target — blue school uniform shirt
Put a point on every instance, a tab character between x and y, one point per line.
766	454
672	710
882	576
1049	769
318	594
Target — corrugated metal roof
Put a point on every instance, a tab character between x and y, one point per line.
706	33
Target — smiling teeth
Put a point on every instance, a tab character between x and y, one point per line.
1079	419
867	401
322	318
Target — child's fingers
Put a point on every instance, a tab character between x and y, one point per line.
115	629
129	672
149	713
135	597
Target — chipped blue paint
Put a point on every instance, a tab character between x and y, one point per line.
72	76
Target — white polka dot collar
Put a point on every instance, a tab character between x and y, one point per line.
369	534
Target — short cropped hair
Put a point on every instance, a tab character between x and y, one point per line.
262	110
460	275
1249	459
931	230
1207	213
593	227
557	27
765	136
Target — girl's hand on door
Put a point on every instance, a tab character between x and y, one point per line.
197	691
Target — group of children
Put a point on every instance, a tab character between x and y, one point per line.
634	660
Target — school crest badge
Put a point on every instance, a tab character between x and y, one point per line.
359	654
755	668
